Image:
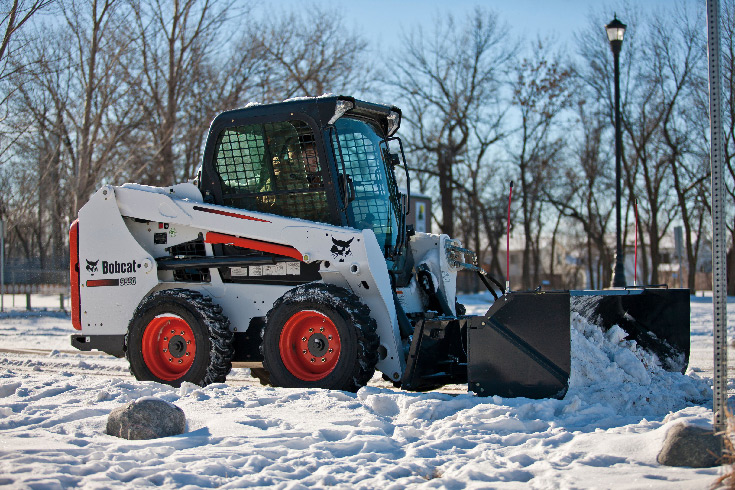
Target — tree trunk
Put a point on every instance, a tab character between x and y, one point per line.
655	250
527	240
590	265
731	266
446	192
552	261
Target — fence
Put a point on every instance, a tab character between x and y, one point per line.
17	276
33	281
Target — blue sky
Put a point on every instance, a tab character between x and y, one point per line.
386	19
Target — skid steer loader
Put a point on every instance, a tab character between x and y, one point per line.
290	254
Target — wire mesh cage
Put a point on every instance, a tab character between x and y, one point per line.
273	168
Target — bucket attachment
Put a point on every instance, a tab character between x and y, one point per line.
521	347
656	318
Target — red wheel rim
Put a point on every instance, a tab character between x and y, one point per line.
309	345
169	347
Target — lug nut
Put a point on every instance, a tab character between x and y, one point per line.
303	339
188	353
330	350
312	359
311	330
303	351
165	350
182	332
170	360
188	341
180	361
329	337
172	332
324	359
321	329
165	338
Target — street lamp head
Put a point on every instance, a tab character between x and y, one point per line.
615	32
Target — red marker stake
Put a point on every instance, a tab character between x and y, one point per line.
507	244
635	247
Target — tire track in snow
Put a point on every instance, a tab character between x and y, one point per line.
49	361
55	361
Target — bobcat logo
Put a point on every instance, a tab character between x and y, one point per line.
92	266
341	249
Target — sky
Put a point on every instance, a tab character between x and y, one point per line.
386	19
523	15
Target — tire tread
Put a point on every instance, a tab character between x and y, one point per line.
221	337
354	312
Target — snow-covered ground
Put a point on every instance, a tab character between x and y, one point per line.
606	433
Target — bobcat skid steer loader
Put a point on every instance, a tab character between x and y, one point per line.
289	254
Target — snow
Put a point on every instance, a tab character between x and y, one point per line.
606	433
325	95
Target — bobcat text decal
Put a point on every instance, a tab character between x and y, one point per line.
119	267
114	267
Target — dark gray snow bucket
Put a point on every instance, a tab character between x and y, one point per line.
521	347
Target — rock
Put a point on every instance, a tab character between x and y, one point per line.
695	447
147	418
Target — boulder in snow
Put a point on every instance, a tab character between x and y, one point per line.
146	418
687	445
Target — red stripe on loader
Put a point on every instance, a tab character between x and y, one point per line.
268	247
92	283
227	213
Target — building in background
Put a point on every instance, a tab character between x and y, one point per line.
419	213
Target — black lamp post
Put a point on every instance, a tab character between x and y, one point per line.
615	32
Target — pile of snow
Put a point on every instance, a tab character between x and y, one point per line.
617	373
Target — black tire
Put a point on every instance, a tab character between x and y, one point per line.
356	332
261	375
196	320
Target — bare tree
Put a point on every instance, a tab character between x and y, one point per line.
307	58
69	115
36	205
104	115
174	42
13	18
450	80
482	182
678	68
582	194
541	91
728	91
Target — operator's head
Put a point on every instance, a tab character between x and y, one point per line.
312	164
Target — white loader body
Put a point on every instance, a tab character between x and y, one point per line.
120	238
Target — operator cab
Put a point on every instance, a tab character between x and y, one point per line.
325	159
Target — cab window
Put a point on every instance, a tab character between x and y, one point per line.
272	168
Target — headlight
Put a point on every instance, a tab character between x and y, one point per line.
394	122
340	108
